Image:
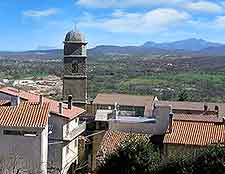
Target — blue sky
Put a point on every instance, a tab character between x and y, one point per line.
34	24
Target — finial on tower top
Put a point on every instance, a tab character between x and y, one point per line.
75	27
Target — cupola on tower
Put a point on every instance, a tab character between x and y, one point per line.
75	70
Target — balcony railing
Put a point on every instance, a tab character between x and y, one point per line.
76	131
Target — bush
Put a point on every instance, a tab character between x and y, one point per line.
203	161
136	155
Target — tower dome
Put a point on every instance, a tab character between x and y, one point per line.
74	36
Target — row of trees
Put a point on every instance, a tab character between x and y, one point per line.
139	156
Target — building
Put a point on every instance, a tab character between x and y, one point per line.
130	105
154	126
190	131
197	108
24	137
75	73
63	124
157	123
5	103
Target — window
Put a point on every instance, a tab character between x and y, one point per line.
74	67
19	133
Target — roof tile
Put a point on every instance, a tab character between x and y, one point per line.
54	105
24	115
123	99
189	132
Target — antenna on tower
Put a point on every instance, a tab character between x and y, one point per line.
75	27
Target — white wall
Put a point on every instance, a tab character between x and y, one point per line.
157	128
30	149
58	155
70	126
70	154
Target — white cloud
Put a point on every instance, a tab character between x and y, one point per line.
41	13
204	6
151	21
123	3
220	22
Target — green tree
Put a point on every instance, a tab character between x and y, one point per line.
136	155
183	96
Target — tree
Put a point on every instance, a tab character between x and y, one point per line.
136	155
183	96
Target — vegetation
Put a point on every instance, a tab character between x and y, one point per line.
201	79
140	157
204	161
136	155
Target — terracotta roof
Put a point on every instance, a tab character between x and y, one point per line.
25	115
198	106
112	140
199	133
197	117
4	102
54	105
123	99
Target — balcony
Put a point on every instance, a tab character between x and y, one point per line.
75	132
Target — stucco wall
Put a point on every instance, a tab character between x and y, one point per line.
56	126
59	156
69	154
70	126
27	148
173	149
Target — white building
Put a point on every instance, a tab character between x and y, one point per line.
24	138
64	127
157	123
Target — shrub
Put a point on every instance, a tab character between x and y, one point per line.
136	155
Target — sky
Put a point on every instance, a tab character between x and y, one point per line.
43	24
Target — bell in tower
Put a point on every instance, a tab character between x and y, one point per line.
75	71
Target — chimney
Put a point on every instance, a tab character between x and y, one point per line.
60	107
205	108
70	97
170	122
18	100
217	110
40	99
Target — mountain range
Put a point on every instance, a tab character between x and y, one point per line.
190	47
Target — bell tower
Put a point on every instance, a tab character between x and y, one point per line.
75	71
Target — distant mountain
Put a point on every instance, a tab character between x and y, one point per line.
189	47
126	50
213	51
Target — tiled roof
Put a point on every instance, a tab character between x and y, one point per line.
123	99
197	106
197	117
24	115
112	140
199	133
4	102
54	105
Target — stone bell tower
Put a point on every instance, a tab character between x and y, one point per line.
75	71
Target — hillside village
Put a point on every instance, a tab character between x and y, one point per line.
48	135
